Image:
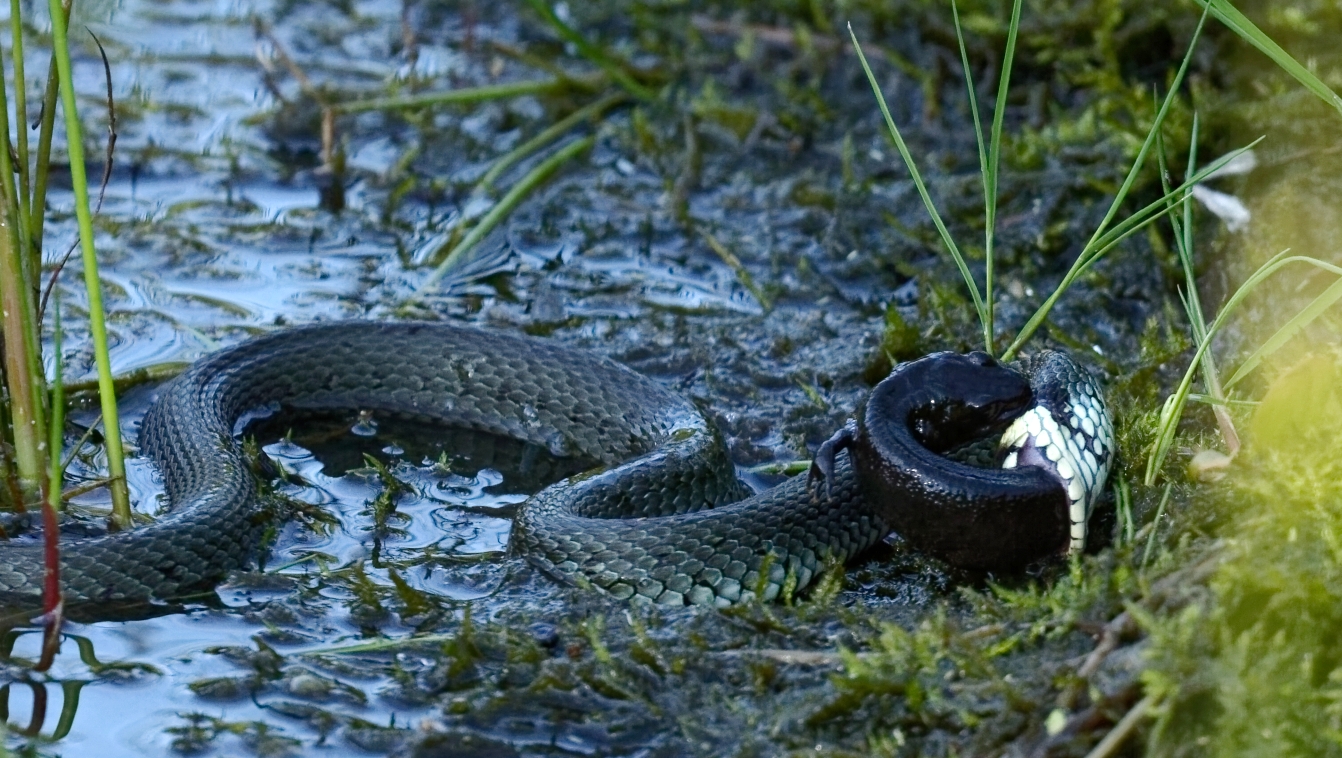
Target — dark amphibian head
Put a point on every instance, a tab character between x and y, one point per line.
983	518
948	399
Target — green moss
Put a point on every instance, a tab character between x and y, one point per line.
1255	668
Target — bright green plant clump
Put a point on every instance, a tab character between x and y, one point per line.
1256	669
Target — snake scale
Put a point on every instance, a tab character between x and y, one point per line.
663	517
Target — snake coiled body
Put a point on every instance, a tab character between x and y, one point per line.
663	518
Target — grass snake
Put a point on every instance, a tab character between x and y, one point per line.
662	518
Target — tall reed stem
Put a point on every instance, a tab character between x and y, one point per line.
116	469
22	369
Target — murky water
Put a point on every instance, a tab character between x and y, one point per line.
753	270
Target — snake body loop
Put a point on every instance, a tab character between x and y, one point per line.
663	518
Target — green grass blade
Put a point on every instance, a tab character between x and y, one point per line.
22	365
590	112
1155	129
505	206
1228	14
467	95
1124	228
989	185
1287	331
617	70
994	161
1097	245
20	114
1188	295
56	480
1097	249
918	181
116	467
1174	404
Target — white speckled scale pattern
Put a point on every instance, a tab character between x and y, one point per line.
1069	434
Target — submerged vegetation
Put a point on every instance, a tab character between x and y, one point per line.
743	147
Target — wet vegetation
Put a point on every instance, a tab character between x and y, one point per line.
709	193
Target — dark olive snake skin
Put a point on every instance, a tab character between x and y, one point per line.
638	526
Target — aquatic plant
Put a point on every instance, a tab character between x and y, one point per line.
31	469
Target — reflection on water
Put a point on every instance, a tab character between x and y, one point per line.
211	672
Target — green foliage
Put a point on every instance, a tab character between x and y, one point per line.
1256	670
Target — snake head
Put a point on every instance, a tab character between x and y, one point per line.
1067	433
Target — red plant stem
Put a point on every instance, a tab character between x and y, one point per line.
53	603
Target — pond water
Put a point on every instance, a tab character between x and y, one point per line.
748	239
210	232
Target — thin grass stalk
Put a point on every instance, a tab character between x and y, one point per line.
1228	14
1157	208
18	223
535	178
1310	312
917	177
589	112
616	69
30	269
1172	411
991	172
116	467
9	489
1183	241
20	110
1155	524
1082	260
47	128
470	94
21	367
989	194
53	603
1111	239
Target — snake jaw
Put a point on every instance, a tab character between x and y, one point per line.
1070	435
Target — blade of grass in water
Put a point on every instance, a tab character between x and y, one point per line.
1093	249
917	177
470	94
121	515
505	206
23	371
616	69
20	114
21	366
1111	239
591	111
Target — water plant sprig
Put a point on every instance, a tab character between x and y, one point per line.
121	513
53	603
500	211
